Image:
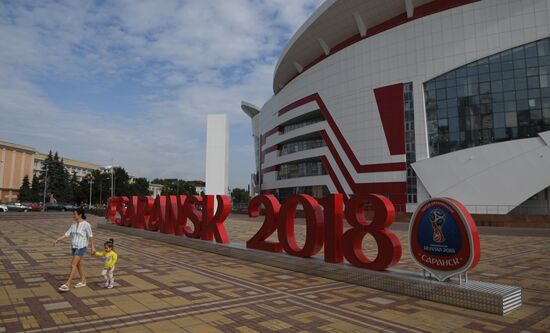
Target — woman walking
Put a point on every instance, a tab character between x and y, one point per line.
80	233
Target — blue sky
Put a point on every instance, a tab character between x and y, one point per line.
133	81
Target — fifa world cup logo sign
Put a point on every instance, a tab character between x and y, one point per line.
437	218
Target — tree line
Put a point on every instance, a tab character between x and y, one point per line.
67	188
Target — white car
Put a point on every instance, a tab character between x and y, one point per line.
3	208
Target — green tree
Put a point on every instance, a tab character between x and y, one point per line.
35	189
74	187
25	190
45	175
140	187
172	186
239	195
122	182
101	187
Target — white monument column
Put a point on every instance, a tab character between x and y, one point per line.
217	154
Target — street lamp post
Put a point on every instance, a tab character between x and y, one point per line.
91	182
45	190
112	167
2	174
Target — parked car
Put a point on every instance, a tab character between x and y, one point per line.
35	207
18	207
60	207
3	208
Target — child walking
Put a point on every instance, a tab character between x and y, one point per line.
109	259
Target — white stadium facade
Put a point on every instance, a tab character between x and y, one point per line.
413	99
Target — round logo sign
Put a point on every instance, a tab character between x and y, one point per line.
443	238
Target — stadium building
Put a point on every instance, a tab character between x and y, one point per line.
413	99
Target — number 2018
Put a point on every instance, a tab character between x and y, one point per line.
324	226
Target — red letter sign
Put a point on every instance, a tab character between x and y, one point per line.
389	247
314	225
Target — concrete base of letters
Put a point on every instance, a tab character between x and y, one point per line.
476	295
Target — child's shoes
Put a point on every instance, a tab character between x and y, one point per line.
110	286
106	284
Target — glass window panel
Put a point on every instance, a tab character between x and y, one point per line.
472	70
452	102
498	120
532	62
523	118
452	111
508	85
461	72
487	121
535	117
485	88
511	119
453	124
530	50
496	86
497	97
473	89
450	75
440	93
496	76
507	75
506	55
544	61
484	77
521	94
545	80
533	93
533	82
522	104
520	83
440	83
546	116
543	47
521	72
532	71
442	113
534	103
451	92
461	91
500	133
509	96
507	66
523	131
519	63
483	68
518	53
429	85
510	106
495	67
498	107
431	113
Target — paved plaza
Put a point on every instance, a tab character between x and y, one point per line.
168	288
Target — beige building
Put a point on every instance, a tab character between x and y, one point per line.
80	168
18	161
155	189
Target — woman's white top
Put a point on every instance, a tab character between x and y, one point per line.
79	233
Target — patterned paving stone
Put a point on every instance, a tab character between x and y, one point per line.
166	288
57	306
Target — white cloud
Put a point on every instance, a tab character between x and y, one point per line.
186	58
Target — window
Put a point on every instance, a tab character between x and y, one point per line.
301	169
502	97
